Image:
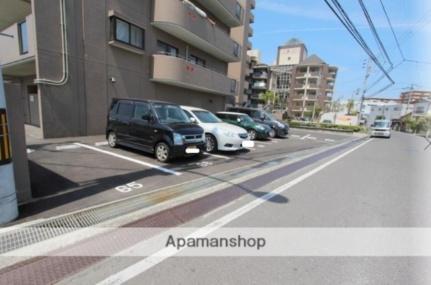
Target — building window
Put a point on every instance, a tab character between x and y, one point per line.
127	33
238	11
197	60
167	49
23	37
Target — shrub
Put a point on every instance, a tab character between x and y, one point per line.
301	124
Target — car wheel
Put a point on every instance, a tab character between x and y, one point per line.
251	134
272	133
162	152
112	139
211	143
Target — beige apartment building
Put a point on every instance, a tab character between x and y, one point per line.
413	96
68	59
63	61
304	83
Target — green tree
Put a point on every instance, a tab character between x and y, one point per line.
268	97
317	113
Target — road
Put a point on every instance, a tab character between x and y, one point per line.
376	183
382	184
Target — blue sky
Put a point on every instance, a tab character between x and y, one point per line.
276	21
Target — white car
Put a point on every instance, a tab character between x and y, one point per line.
218	135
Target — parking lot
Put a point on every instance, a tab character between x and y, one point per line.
74	174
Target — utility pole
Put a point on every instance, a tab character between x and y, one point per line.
364	88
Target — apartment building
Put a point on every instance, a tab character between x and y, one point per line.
304	83
241	70
412	96
312	87
68	59
260	80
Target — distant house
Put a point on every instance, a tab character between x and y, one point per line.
422	108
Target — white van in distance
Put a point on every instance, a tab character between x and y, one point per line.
381	128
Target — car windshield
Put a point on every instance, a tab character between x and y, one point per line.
381	124
269	116
246	119
206	117
170	114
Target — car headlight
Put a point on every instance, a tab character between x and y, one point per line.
261	128
280	125
178	139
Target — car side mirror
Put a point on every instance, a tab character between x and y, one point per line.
263	117
238	120
148	117
193	120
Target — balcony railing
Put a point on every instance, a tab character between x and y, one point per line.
186	22
177	71
261	75
225	10
260	86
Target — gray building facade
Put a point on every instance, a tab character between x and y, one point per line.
70	58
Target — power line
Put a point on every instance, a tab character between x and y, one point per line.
392	30
374	31
351	28
418	61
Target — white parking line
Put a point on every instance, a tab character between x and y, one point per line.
217	155
101	143
329	140
305	137
312	138
261	146
145	264
295	136
67	146
162	169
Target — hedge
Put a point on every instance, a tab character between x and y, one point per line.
330	127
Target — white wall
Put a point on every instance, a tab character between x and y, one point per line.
289	56
10	46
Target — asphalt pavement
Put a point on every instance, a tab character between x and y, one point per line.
383	183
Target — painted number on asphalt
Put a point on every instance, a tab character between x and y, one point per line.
129	187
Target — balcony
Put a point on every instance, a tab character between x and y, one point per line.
13	60
250	31
249	46
251	18
253	4
260	75
181	20
179	72
301	75
260	86
13	11
224	10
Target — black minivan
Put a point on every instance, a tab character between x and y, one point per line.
281	129
156	127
